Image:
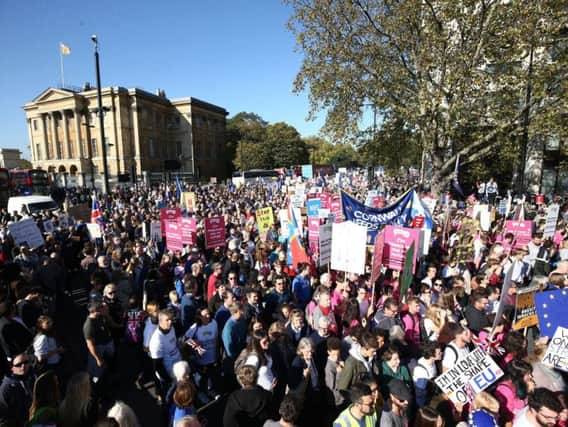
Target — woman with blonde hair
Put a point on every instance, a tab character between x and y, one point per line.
484	411
123	414
78	409
435	319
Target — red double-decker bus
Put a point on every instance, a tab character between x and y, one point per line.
24	182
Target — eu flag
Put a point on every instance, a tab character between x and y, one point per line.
551	310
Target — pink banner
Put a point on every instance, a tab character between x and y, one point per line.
188	230
214	232
522	230
397	242
173	236
377	258
313	236
325	200
169	215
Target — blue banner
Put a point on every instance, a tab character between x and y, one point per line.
401	212
313	206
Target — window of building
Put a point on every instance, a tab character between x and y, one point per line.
34	124
94	148
151	147
38	152
178	148
158	120
150	118
197	121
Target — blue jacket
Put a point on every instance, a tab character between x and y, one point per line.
188	308
234	337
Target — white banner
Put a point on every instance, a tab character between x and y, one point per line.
94	230
156	231
557	353
26	231
348	246
283	217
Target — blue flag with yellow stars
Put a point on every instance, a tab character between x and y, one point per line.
551	310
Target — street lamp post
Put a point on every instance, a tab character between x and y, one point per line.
101	115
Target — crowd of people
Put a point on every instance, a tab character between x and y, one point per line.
240	332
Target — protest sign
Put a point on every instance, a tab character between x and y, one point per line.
476	371
522	230
335	209
297	201
156	231
313	206
188	200
94	231
188	230
26	231
80	212
324	213
370	199
48	226
551	310
307	171
264	219
377	258
525	310
173	236
324	244
283	217
348	247
214	232
325	198
556	355
397	242
551	220
169	215
313	237
300	190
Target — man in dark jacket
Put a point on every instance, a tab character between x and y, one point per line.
475	312
249	406
16	392
361	360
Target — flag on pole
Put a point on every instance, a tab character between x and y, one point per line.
178	187
65	50
296	252
407	273
455	180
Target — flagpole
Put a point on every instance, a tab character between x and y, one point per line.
61	63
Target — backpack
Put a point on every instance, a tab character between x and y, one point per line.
424	335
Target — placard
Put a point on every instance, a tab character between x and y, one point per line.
188	200
556	355
313	237
397	242
26	231
80	212
312	207
169	215
335	209
377	258
522	230
156	231
283	217
551	220
348	247
188	230
297	201
476	371
264	219
324	244
307	171
48	226
173	236
525	311
94	231
214	232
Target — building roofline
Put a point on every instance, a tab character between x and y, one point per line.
199	103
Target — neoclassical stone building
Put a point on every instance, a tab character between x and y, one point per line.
142	132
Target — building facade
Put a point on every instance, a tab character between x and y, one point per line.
145	134
10	158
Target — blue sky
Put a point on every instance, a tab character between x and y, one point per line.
234	53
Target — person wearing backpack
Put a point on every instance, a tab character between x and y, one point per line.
425	371
257	354
458	348
411	322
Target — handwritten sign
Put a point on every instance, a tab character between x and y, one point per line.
525	311
476	371
26	231
551	220
556	355
264	219
214	232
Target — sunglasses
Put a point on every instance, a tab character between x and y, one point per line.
22	363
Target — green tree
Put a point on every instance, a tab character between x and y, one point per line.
286	145
244	129
463	75
252	155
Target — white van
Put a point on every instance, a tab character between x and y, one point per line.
31	204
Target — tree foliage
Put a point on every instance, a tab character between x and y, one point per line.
323	152
456	73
